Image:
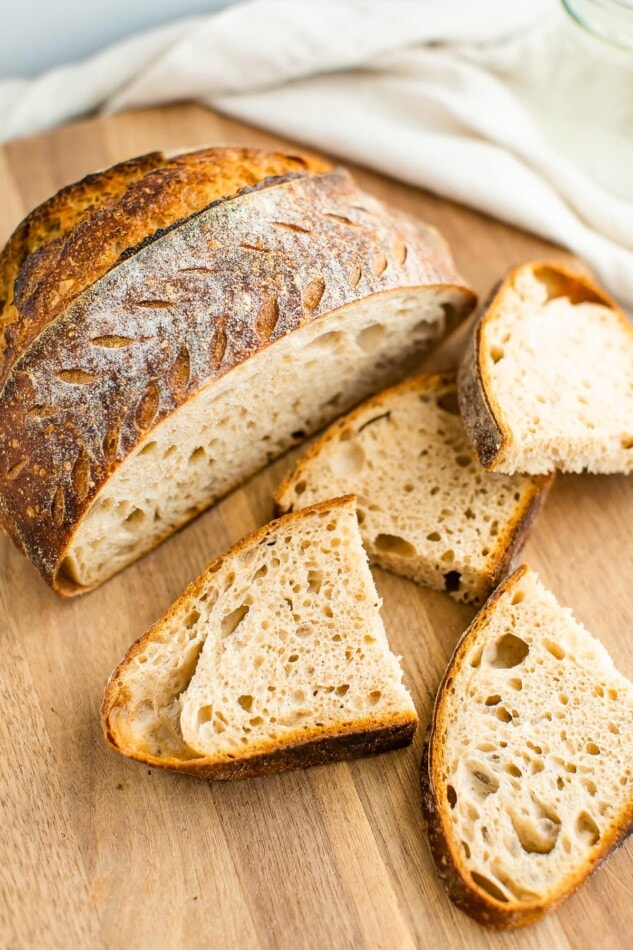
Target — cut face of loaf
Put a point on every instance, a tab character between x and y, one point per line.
527	771
275	658
232	429
547	381
427	509
200	353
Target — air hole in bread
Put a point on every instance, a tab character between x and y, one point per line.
371	338
392	544
493	700
451	796
587	830
348	460
315	580
246	702
556	651
592	748
327	341
135	518
434	536
452	580
489	887
231	622
589	786
503	715
496	353
205	714
537	835
483	783
510	651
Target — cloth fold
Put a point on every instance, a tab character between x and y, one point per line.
442	94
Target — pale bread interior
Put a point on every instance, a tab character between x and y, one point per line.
426	507
281	644
560	378
231	428
534	750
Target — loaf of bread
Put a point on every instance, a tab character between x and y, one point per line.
426	507
526	777
547	379
170	325
275	658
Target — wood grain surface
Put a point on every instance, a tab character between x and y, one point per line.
98	851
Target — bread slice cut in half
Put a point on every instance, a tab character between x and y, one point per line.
527	776
426	507
275	658
547	380
171	325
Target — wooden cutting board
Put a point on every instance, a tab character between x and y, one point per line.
100	851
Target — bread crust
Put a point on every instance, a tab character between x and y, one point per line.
299	749
451	869
508	542
109	231
150	334
483	416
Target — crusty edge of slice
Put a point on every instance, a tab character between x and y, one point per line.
363	738
483	416
450	867
508	542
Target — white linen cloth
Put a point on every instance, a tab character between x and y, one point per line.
438	93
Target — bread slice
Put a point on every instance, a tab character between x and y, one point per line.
169	326
427	509
527	772
547	380
275	658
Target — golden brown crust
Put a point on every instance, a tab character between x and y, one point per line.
509	541
300	753
126	212
151	333
63	211
450	866
297	750
482	415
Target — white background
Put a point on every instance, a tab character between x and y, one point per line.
40	34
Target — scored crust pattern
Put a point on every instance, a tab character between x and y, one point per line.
177	314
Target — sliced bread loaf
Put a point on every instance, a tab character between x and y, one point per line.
169	326
427	509
527	773
275	658
547	380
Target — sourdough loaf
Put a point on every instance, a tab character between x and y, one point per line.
426	507
547	379
526	776
276	657
172	324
